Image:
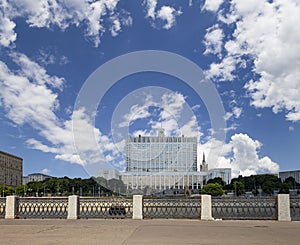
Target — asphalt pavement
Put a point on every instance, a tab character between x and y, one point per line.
125	231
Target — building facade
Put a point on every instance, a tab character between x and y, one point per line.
295	174
35	177
157	154
109	174
11	169
223	173
166	163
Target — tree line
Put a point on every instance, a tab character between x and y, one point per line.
94	186
265	184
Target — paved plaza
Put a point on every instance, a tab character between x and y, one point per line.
120	231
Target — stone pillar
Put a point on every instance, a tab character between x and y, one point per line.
137	207
73	207
206	211
284	213
11	208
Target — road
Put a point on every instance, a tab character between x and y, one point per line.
125	231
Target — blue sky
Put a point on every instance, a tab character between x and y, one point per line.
249	50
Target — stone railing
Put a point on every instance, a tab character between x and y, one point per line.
245	208
105	208
295	208
282	207
171	208
39	207
2	207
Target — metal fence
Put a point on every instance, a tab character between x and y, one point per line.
106	208
172	208
244	208
43	207
295	208
2	207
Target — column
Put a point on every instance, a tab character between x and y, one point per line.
11	208
206	211
137	207
73	207
284	213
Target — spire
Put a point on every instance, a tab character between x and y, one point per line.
204	166
203	161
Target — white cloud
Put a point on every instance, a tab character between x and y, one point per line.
116	28
46	171
223	71
212	5
63	14
151	6
213	40
267	33
169	115
50	56
245	156
237	111
25	94
241	154
166	13
28	97
7	33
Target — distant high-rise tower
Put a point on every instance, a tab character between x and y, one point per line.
204	165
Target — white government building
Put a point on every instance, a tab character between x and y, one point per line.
158	163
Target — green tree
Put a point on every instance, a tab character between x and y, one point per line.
35	188
21	190
6	190
284	188
217	180
291	182
268	187
239	188
213	189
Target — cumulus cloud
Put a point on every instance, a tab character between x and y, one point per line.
25	94
223	71
264	32
63	14
166	13
7	33
151	6
46	171
213	40
245	156
159	108
241	154
29	96
212	5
